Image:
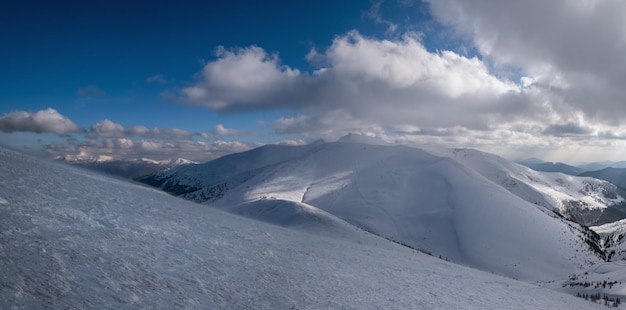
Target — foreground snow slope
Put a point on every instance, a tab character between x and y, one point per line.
73	239
431	202
297	216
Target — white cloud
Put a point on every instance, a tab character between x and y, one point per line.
107	129
171	133
406	64
48	120
205	136
292	142
242	76
139	131
155	133
127	148
220	130
112	139
119	143
580	45
381	82
564	59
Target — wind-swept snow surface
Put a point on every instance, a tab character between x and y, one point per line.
73	239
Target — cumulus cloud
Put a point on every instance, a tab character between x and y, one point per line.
546	73
292	142
240	77
142	131
124	148
110	139
373	86
331	125
48	120
579	44
220	130
107	129
170	133
205	136
374	81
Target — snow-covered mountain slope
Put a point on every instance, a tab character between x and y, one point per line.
616	176
169	163
296	215
84	158
73	239
209	181
602	279
604	283
605	278
435	203
585	200
613	239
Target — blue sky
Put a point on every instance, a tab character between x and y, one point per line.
201	79
116	46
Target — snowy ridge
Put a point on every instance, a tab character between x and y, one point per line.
582	199
84	157
73	239
204	175
168	162
435	203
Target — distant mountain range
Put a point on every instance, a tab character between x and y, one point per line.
616	176
553	167
614	172
130	169
603	164
540	165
